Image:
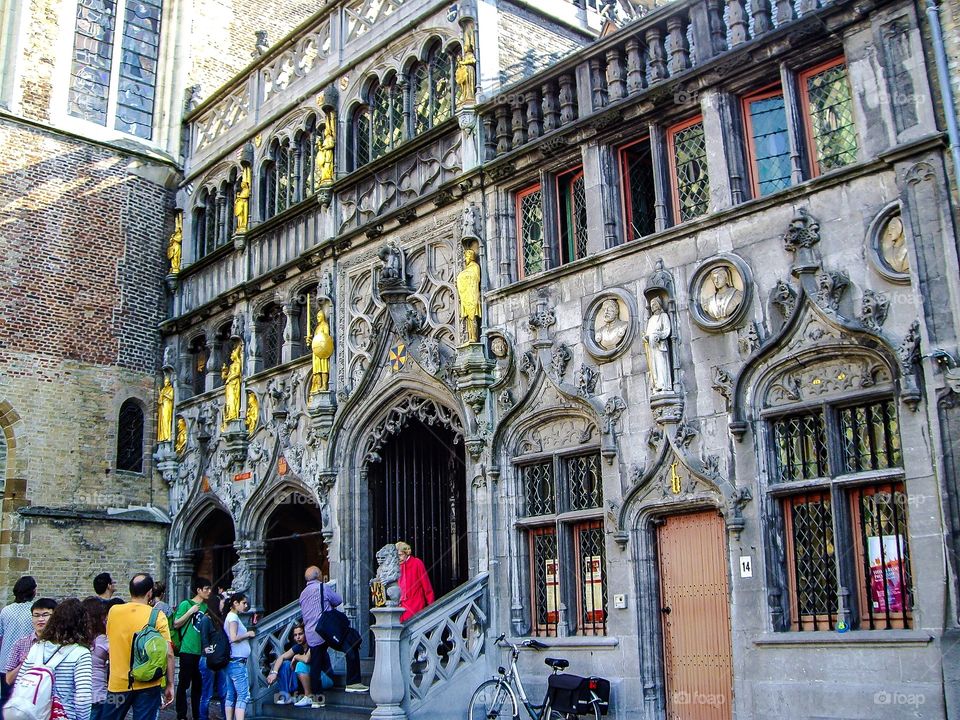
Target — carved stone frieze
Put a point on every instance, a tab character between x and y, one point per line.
563	432
423	409
825	378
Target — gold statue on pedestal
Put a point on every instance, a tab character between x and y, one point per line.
175	245
241	205
468	289
253	413
327	149
165	411
321	348
466	74
180	443
232	374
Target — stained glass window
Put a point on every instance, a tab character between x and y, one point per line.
530	230
637	167
104	82
130	437
769	142
830	110
691	181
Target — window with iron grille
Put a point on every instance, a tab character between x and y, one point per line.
834	454
270	335
571	194
109	88
768	141
530	231
561	516
639	193
130	437
688	163
828	109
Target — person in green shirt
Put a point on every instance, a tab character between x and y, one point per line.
185	621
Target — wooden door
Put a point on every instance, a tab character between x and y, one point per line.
695	614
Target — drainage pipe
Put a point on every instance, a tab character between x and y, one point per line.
946	91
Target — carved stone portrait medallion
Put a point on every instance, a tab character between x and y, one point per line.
720	292
887	245
609	324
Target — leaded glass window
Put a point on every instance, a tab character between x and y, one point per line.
361	138
571	192
198	364
636	164
130	437
309	143
871	437
833	135
530	230
811	543
284	177
800	447
545	580
538	489
270	335
583	482
386	118
769	142
105	84
200	226
434	89
688	154
592	578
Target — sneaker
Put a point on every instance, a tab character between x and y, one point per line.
302	702
318	704
282	701
356	688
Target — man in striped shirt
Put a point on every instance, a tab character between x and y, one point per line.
40	613
15	623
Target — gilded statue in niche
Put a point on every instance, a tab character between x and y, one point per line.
180	442
466	74
232	373
657	342
893	245
165	411
241	205
468	290
608	327
328	148
175	245
722	294
321	349
252	418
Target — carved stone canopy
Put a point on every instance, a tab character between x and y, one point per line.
426	410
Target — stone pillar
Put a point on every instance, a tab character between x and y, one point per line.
387	686
214	363
253	553
721	196
290	342
178	579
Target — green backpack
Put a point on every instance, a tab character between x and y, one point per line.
148	653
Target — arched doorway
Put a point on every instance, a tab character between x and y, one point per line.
417	494
213	551
294	542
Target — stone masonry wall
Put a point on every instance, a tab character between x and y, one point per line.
530	43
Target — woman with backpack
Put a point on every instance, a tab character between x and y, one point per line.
64	649
96	611
238	687
215	654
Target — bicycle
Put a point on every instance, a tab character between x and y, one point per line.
496	698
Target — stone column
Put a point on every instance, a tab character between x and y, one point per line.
387	686
178	579
214	363
254	554
290	343
721	196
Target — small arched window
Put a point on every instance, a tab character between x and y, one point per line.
360	142
434	88
223	345
270	327
200	225
130	437
309	143
199	357
279	189
228	221
386	118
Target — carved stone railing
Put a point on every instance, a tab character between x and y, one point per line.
443	640
272	633
647	53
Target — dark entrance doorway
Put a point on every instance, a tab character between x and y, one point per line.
213	552
294	542
417	494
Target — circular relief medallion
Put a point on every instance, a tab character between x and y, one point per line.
720	292
609	324
889	245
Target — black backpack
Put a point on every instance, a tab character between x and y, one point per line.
217	652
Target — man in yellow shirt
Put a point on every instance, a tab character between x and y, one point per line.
123	621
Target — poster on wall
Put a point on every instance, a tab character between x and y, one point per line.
593	589
885	553
552	590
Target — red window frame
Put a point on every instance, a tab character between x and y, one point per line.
548	629
812	164
763	94
671	152
626	190
521	265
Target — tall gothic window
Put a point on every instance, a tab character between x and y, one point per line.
270	335
639	190
212	219
110	88
825	92
360	141
308	145
281	181
688	165
434	89
386	118
199	357
130	437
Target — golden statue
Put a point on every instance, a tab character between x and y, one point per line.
321	347
232	373
253	413
466	75
241	205
468	288
175	246
165	411
180	444
327	149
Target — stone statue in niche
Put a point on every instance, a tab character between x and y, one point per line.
720	296
241	205
165	411
469	221
327	149
232	374
175	246
468	290
392	263
657	342
321	347
893	245
252	417
608	327
180	443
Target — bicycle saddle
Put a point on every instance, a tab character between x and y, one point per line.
557	663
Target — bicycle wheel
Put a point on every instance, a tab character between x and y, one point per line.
490	701
551	714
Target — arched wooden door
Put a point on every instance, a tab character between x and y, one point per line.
417	494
